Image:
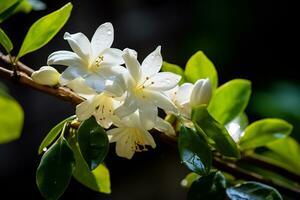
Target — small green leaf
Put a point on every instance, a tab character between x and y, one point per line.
7	8
5	41
93	142
168	67
263	132
210	187
54	132
55	170
214	130
252	191
200	67
43	30
194	151
97	180
11	118
229	100
189	179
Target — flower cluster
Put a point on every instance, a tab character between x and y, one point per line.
121	91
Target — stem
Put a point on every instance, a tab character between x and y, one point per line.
66	94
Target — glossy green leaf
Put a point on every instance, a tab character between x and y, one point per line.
168	67
43	30
210	187
52	135
189	179
237	126
55	170
194	151
93	142
5	41
7	8
252	191
214	130
263	132
11	118
199	67
97	180
229	100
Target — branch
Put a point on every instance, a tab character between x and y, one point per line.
66	94
24	78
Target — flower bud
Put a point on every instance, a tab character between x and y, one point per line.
201	93
46	75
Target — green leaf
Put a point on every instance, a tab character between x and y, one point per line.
93	142
263	132
5	4
5	41
284	153
55	170
194	151
11	118
54	132
7	8
189	179
168	67
229	100
43	30
199	67
211	187
237	126
214	130
97	180
252	191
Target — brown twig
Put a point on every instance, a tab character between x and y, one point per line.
67	95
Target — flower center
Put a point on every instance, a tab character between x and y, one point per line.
98	61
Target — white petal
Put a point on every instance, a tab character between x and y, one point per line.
201	93
85	109
164	126
79	86
104	112
127	108
183	94
152	63
132	64
124	147
95	81
112	56
149	139
116	87
110	71
80	44
71	73
66	58
116	134
163	81
102	38
148	114
171	93
160	100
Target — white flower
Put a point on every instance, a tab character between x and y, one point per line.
94	61
188	96
131	135
100	106
46	75
145	87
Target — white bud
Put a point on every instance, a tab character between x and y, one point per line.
201	93
46	75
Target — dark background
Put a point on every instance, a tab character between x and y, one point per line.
256	40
